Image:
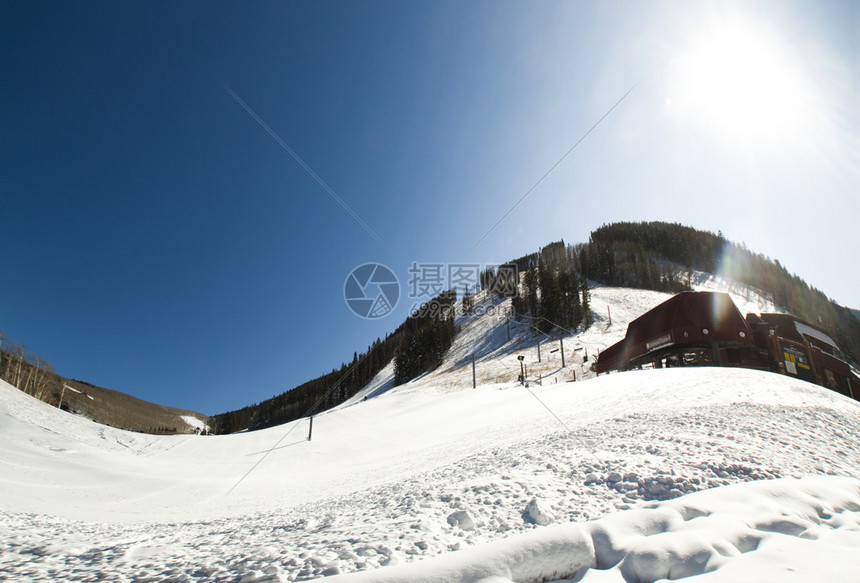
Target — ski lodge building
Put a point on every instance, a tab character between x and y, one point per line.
707	329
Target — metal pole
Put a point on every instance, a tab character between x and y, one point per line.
311	428
474	379
538	350
561	341
609	311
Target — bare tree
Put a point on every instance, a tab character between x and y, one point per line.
42	373
17	365
27	372
5	358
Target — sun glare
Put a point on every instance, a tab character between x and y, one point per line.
738	81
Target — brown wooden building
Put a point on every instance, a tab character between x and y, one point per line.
707	329
797	348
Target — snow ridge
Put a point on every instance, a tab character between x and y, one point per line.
740	529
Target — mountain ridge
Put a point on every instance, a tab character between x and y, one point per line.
106	406
657	256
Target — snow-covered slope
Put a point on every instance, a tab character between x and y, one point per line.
496	480
496	340
777	530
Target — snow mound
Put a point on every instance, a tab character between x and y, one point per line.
462	519
538	512
741	531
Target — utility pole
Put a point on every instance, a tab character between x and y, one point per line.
561	342
522	369
474	379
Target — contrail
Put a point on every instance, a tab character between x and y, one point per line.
307	168
553	167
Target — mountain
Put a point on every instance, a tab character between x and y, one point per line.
104	406
124	411
644	475
554	295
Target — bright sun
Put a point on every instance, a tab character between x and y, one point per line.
737	81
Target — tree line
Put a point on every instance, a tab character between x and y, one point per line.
424	338
26	371
646	255
314	396
661	256
34	376
417	346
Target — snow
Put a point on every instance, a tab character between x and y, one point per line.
758	525
538	512
382	382
720	474
813	333
746	298
74	390
194	422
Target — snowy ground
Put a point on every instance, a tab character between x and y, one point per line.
740	474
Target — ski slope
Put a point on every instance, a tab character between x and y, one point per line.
496	340
716	473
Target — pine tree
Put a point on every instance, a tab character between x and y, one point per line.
468	301
550	296
587	316
571	308
530	281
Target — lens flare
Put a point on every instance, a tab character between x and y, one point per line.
741	81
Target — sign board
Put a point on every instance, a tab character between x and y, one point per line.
796	362
659	342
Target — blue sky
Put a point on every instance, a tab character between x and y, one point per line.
158	241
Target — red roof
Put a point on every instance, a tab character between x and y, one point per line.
688	318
